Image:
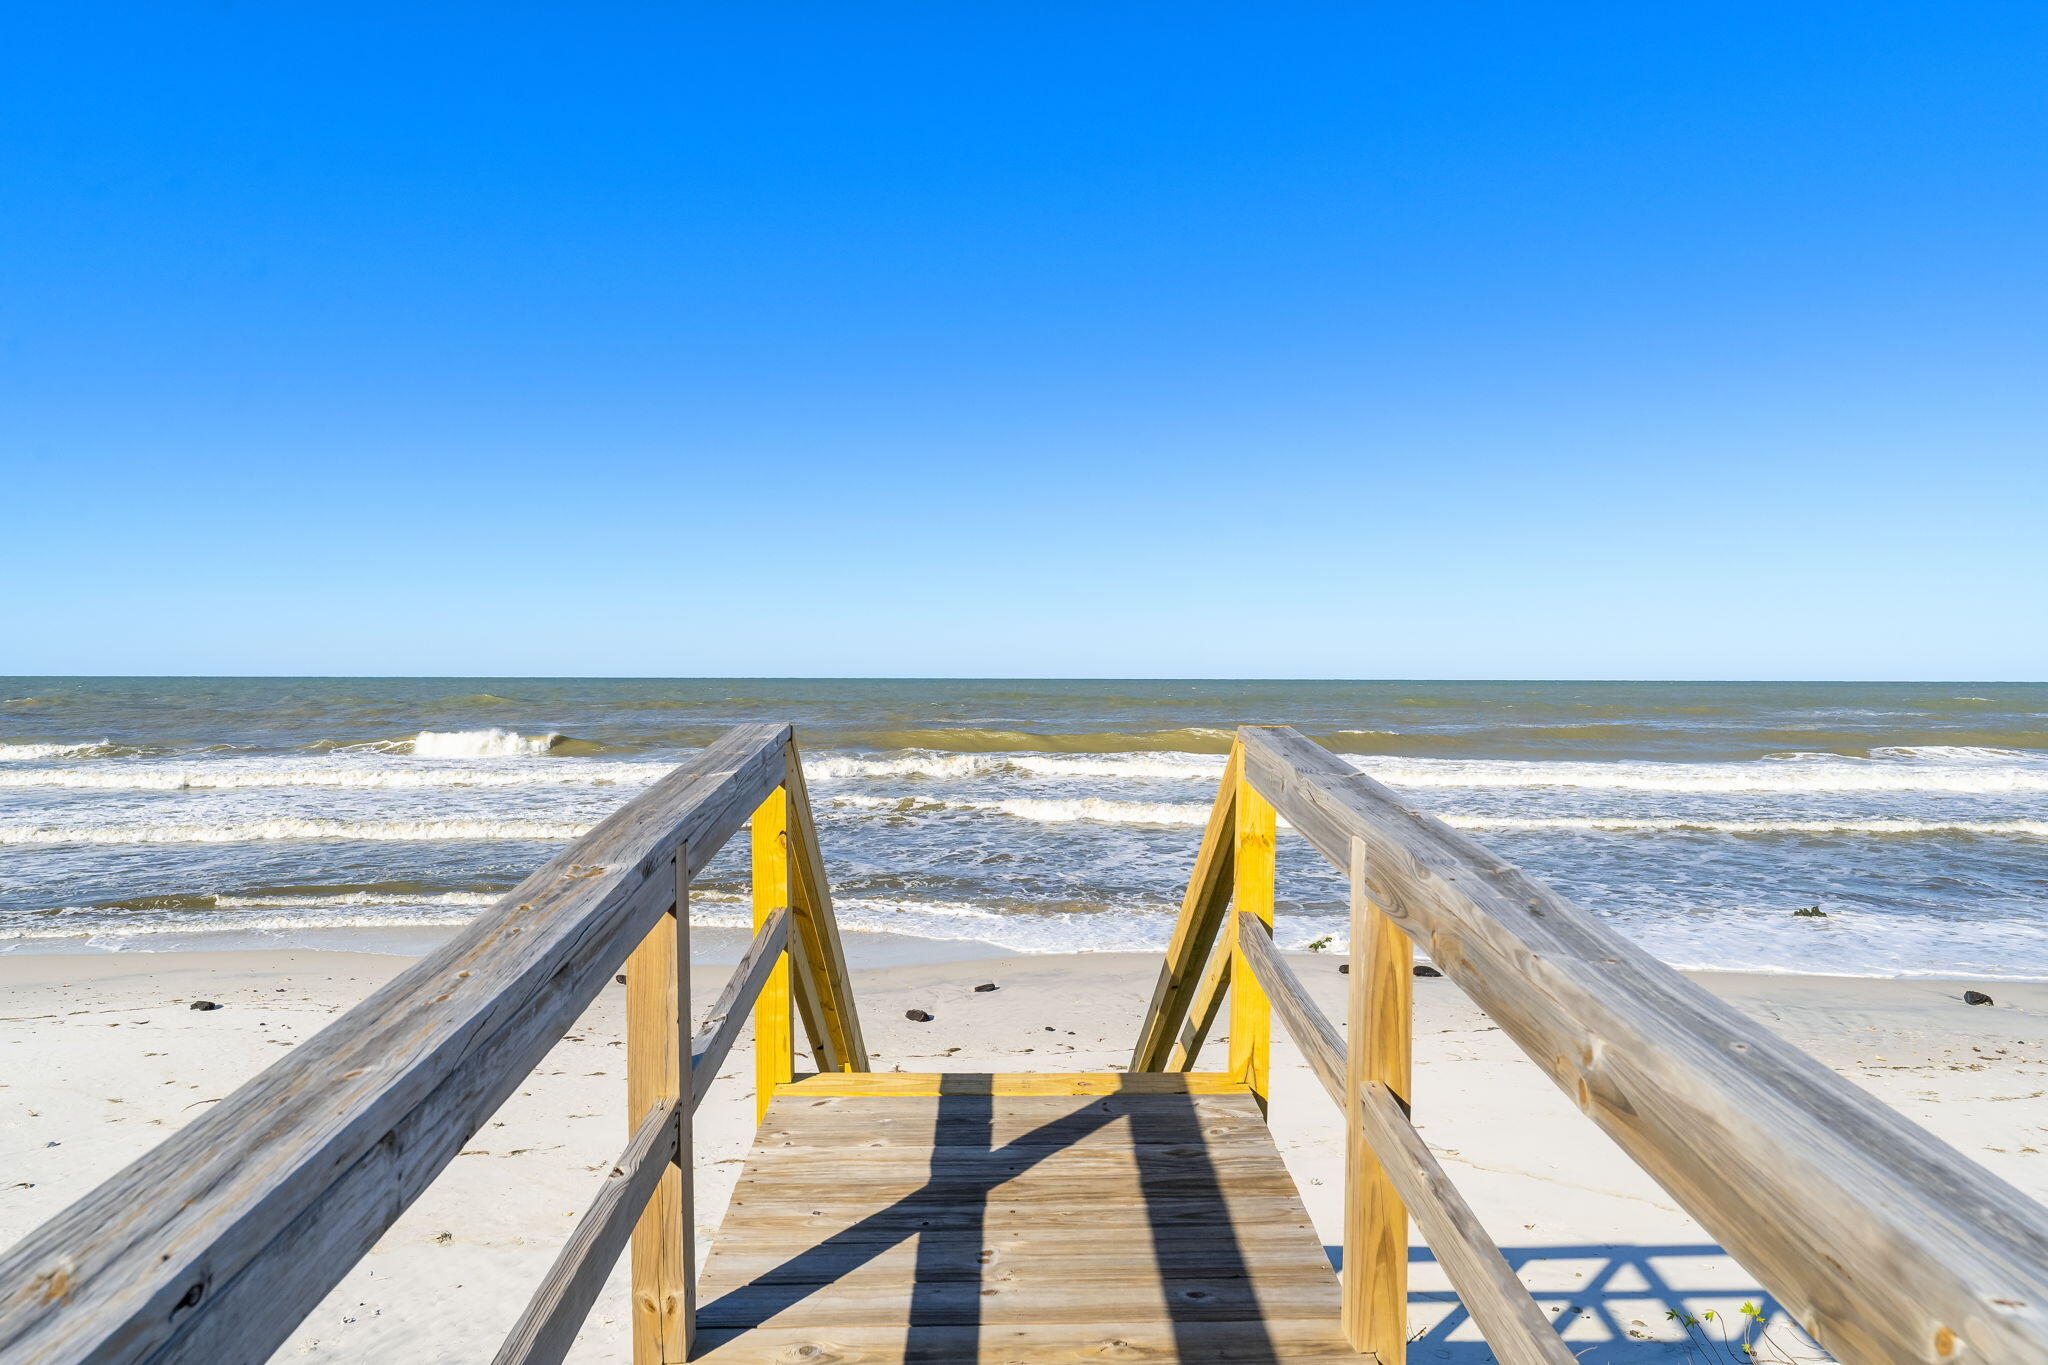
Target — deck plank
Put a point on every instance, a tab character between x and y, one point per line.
1010	1222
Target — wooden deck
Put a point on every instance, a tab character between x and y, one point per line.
979	1218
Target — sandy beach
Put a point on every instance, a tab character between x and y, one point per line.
102	1055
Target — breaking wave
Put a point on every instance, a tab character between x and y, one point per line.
1923	769
1097	809
1192	739
1165	764
256	831
37	753
235	774
1048	810
1928	768
492	743
2012	829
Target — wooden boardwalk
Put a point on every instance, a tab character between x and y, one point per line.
1003	1218
1028	1219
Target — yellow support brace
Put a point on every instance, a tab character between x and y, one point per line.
1251	1014
774	1037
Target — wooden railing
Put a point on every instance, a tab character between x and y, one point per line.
1882	1242
215	1245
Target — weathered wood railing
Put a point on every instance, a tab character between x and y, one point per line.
213	1246
1884	1243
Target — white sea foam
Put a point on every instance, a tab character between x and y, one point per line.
392	915
1928	768
2019	829
1046	809
38	753
355	775
957	766
347	899
255	831
1102	811
492	743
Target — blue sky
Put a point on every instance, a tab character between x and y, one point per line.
1347	340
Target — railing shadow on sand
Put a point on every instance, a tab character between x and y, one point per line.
1627	1298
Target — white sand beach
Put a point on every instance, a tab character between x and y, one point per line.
101	1056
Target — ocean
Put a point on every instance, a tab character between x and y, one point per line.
1036	816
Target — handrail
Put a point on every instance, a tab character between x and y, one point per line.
215	1244
548	1327
1883	1242
728	1018
1514	1327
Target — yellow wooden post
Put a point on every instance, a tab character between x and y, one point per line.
1375	1293
774	1038
657	1072
1251	1014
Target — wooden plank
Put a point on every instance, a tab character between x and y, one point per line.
1028	1120
1086	1255
548	1327
1194	933
1381	1010
212	1246
774	1036
927	1083
896	1216
1251	1017
728	1017
1224	1343
1885	1243
1134	1295
657	1074
1192	1241
1015	1179
819	927
1187	1049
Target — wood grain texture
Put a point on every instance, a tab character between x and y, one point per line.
1885	1244
918	1083
1500	1305
548	1327
1321	1046
729	1016
213	1246
775	1006
1516	1330
1251	1017
1380	1008
1221	1343
657	1075
1207	1004
818	930
847	1239
1194	933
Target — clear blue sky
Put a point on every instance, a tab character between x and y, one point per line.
1130	339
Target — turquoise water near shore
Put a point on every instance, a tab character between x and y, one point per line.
1039	815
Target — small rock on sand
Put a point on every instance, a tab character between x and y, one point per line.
1976	998
917	1016
1427	971
987	986
204	1005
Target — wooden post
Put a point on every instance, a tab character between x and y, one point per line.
658	1072
1251	1014
1375	1290
774	1035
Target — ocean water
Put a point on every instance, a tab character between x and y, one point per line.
153	813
